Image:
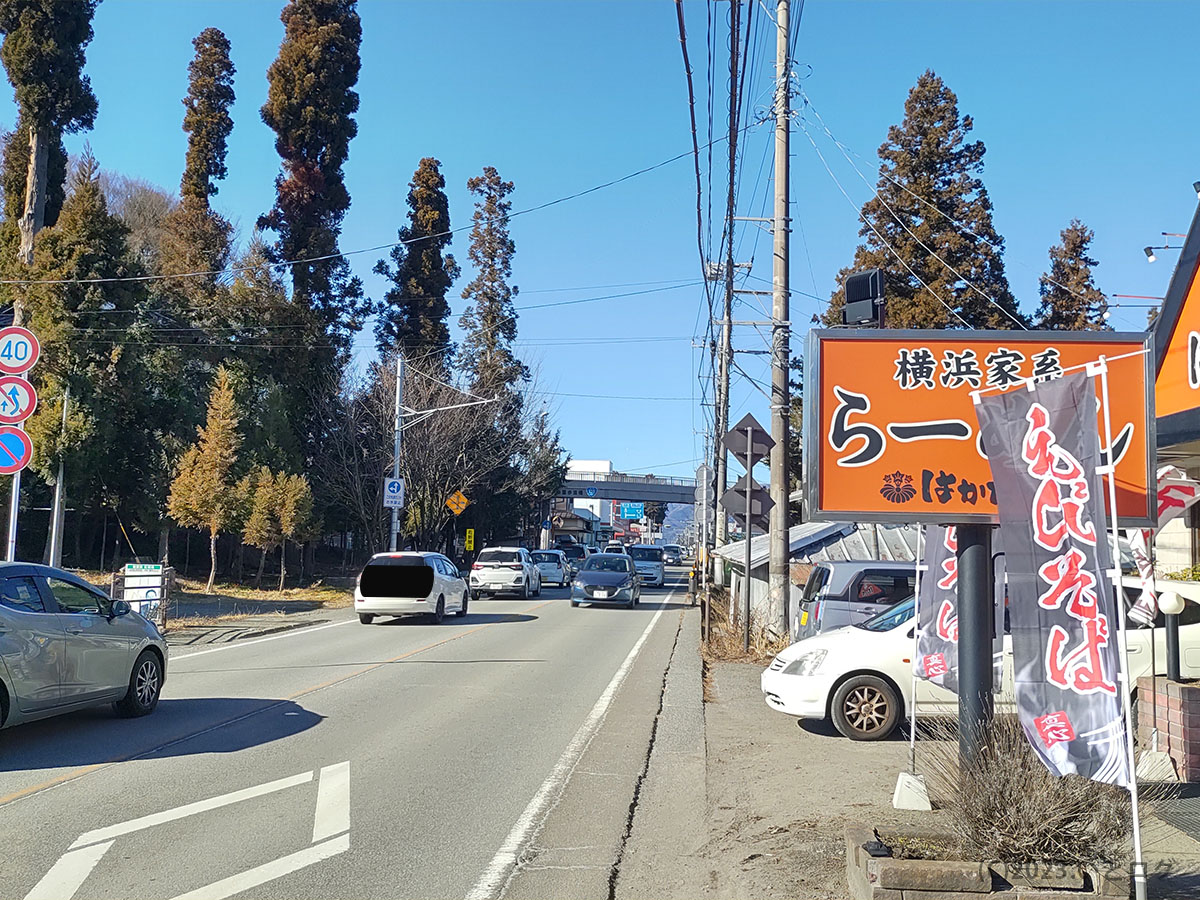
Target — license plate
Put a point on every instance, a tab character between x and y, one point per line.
804	617
602	595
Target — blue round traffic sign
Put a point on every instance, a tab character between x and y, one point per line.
15	449
591	492
393	487
546	524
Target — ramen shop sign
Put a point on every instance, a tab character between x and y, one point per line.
890	431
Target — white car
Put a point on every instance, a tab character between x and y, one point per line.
409	584
552	565
648	560
860	676
614	547
505	570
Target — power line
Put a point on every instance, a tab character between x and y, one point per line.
900	221
874	230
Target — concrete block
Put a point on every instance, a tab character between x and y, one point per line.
1111	882
1041	875
911	792
929	875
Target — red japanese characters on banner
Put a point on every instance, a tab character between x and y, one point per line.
1044	451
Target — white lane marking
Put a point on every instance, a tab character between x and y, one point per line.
295	632
333	802
277	868
190	809
66	875
494	877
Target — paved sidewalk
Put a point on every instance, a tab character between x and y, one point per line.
669	829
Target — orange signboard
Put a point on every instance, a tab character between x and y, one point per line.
890	432
1177	348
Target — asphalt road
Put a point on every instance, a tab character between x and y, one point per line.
401	759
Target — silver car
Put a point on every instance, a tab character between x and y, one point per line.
66	645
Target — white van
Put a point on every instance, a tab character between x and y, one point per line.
648	560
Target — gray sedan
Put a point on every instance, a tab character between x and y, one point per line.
66	645
607	578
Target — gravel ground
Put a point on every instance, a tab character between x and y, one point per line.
780	793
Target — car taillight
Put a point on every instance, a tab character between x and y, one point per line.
477	566
817	611
515	567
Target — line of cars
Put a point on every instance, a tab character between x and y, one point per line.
850	662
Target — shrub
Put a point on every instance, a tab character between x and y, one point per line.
1007	806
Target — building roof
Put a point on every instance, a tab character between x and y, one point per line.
832	541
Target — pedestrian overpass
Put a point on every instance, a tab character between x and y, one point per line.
634	488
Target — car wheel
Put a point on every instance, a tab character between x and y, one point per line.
538	592
439	612
525	590
574	603
474	595
632	602
865	708
462	612
366	618
145	684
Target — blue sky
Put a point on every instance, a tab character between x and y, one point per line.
1083	108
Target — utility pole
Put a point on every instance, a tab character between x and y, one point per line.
396	444
58	513
778	578
725	349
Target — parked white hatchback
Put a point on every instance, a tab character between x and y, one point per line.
408	584
552	566
860	676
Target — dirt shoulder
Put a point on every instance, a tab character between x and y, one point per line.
780	793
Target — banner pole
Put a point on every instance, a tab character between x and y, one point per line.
912	706
1139	868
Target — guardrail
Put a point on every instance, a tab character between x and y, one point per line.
635	479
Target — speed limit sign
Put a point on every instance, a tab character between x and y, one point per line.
19	350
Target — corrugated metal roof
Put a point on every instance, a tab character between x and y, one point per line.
812	542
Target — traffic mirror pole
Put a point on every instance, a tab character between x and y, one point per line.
56	522
13	505
976	620
395	528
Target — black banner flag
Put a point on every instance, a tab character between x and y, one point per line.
1044	451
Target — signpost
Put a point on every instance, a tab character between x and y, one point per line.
633	510
19	351
458	502
890	433
750	444
393	493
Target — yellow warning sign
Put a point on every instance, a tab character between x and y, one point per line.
458	502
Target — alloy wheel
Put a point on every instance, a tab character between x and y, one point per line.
866	709
146	685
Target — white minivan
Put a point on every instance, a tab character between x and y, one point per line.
648	560
408	584
552	566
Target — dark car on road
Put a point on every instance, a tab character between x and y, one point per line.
672	555
607	578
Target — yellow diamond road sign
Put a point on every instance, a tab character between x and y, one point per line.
458	502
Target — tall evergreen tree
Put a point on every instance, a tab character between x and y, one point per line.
43	52
310	106
412	316
207	120
205	493
110	449
491	320
15	171
929	180
1070	299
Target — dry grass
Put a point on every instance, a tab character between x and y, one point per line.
322	595
1007	806
726	642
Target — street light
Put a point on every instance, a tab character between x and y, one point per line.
1149	251
1196	186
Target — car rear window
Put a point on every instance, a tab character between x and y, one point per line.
574	552
608	564
402	576
545	558
499	556
647	554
